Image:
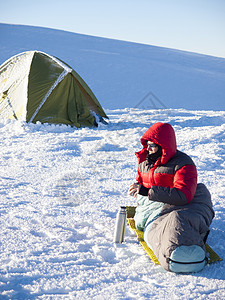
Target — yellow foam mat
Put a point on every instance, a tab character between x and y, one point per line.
213	256
140	236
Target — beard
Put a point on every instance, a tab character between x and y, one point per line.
152	158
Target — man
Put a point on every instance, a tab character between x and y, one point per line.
173	210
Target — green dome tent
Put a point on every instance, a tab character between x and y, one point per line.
35	86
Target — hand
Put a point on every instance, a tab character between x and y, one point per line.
133	189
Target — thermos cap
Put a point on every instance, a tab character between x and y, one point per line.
123	207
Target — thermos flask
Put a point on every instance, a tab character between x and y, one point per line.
120	225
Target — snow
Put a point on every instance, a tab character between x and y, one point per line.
61	187
121	73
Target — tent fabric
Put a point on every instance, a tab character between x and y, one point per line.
35	86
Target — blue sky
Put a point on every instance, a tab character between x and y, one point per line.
192	25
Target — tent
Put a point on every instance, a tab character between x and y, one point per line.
35	86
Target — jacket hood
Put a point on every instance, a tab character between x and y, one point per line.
161	134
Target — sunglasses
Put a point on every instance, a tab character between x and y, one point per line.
152	145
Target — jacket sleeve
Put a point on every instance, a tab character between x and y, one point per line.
183	190
138	177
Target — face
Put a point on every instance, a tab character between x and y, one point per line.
152	147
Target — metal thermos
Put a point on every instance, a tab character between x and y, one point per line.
120	225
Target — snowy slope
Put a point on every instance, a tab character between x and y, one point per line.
61	187
121	74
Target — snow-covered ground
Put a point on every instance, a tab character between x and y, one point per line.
61	187
122	74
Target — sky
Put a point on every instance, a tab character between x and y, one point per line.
191	25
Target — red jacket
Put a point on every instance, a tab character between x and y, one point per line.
173	178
